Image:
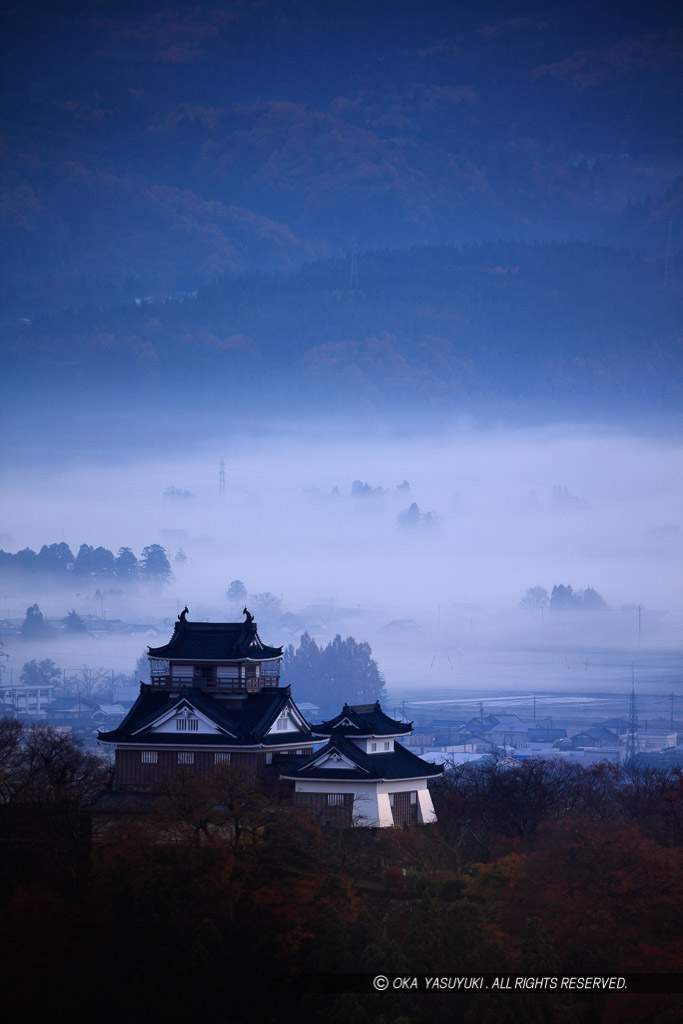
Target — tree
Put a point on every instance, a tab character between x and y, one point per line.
592	601
564	599
266	606
126	564
73	623
141	670
413	519
88	682
155	564
11	743
409	519
301	668
43	673
237	592
34	626
92	561
350	669
534	598
26	560
56	558
38	764
362	489
344	669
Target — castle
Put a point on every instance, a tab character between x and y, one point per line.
214	699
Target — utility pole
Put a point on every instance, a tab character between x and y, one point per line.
640	609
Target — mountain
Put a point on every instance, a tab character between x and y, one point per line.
562	328
149	148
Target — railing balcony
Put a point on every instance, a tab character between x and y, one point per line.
250	684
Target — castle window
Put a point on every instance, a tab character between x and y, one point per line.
186	724
148	756
335	799
181	673
282	722
387	745
185	757
373	747
228	677
222	758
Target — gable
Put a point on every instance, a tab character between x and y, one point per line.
184	720
289	719
333	760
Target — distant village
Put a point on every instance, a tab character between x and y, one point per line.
455	737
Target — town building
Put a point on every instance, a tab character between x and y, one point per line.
214	699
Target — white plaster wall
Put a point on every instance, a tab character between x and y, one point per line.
371	805
425	807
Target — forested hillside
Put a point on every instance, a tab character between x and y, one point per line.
564	326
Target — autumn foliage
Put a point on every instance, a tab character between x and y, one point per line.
536	867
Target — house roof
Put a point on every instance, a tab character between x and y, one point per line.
509	723
69	703
542	732
247	725
215	641
359	720
357	766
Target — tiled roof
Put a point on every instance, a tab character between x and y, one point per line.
399	764
68	703
215	641
245	726
363	720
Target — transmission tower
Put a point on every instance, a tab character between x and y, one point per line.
221	478
632	743
353	275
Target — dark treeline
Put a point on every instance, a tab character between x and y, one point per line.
563	598
319	673
58	562
539	867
